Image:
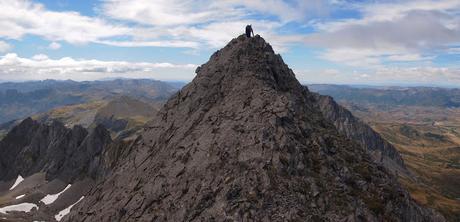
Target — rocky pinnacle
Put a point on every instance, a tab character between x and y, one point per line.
245	141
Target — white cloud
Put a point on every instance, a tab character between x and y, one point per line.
165	12
4	46
38	57
427	75
453	51
205	22
181	44
54	46
353	57
21	17
403	31
188	12
418	75
371	58
153	23
408	57
13	67
217	34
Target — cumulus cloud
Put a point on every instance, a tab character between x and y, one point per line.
21	17
153	23
39	67
407	31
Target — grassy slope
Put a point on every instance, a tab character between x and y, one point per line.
429	140
136	113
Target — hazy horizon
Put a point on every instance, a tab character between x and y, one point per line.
303	83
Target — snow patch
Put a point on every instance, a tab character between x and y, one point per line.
49	199
20	196
66	211
25	207
18	181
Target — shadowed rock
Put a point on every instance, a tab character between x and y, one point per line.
246	141
60	152
381	151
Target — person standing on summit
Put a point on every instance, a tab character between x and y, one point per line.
249	31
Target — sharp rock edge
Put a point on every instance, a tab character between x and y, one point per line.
246	141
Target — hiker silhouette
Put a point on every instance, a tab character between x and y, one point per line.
249	31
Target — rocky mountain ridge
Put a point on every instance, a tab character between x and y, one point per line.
60	152
245	141
47	168
381	151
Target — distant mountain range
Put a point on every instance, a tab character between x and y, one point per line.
19	100
392	96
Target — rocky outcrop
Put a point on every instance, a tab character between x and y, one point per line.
55	166
353	128
60	152
246	141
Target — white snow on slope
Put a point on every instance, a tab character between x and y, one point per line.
18	181
20	196
64	212
50	198
25	207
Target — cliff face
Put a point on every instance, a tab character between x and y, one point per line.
381	151
51	167
67	154
246	141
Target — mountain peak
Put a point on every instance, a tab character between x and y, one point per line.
248	59
245	141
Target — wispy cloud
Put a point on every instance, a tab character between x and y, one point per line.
13	67
207	23
188	12
21	17
4	46
54	46
428	75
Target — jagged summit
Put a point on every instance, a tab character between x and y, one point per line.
245	141
248	59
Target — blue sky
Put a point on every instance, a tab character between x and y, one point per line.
336	41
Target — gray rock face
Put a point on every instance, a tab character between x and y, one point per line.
67	154
381	151
245	141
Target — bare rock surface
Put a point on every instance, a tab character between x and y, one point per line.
60	152
245	141
353	128
43	160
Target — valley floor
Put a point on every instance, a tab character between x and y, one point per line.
429	140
